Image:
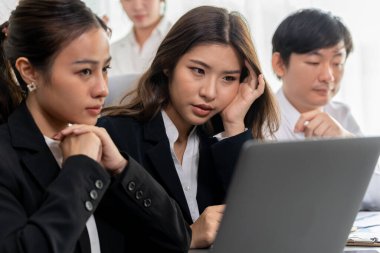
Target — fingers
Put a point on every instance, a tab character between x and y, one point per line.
110	156
86	144
256	83
205	228
319	124
217	208
78	129
305	120
260	87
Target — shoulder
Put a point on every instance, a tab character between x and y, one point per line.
119	124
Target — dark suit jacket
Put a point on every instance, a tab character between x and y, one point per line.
44	208
149	145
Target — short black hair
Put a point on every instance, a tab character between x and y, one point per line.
307	30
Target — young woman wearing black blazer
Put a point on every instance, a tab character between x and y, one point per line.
200	100
64	186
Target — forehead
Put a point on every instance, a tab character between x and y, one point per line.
217	54
93	43
337	50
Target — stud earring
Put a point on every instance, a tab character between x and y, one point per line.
31	87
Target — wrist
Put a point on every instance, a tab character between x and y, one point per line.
233	129
120	168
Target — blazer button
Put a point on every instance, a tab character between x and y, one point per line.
131	186
89	206
93	194
147	202
139	194
99	184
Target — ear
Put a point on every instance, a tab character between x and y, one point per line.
26	70
278	65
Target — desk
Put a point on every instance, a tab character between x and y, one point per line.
362	221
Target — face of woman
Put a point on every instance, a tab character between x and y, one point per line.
205	80
77	86
143	13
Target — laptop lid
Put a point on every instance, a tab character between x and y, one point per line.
296	197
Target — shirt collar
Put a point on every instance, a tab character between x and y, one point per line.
171	129
288	110
292	115
55	149
161	29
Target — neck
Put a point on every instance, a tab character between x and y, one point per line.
142	34
183	127
48	124
299	106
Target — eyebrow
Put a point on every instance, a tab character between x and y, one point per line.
92	62
228	72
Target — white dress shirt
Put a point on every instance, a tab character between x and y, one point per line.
341	113
188	170
129	58
289	117
90	224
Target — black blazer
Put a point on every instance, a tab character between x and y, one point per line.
149	145
44	208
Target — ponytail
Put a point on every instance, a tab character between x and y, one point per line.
10	92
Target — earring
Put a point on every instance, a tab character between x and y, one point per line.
162	8
31	87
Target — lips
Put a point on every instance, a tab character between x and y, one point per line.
202	110
94	110
139	17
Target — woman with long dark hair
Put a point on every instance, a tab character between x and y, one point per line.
203	96
64	186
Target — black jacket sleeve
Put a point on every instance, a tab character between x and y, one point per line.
58	222
143	211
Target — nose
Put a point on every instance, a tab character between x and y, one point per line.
101	87
327	73
208	89
138	4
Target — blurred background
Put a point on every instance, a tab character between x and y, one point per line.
361	84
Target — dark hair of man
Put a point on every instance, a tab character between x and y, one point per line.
307	30
200	26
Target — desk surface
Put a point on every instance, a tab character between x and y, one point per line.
366	222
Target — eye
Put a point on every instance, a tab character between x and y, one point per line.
338	64
312	63
86	72
197	71
230	78
106	68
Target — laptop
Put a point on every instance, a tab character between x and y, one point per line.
296	197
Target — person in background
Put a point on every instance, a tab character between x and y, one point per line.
203	96
64	186
310	49
133	53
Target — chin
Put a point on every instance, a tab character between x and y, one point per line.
88	121
196	121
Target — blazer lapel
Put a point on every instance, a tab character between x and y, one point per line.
36	156
162	163
31	147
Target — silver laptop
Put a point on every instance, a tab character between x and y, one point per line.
296	197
